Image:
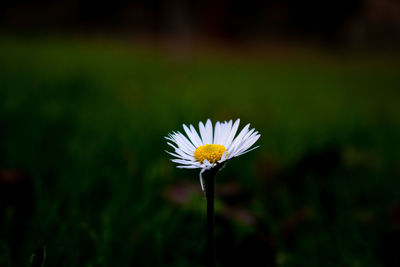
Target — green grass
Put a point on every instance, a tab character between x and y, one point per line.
84	124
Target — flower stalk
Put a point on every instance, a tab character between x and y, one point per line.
209	185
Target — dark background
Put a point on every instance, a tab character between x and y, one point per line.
88	90
354	22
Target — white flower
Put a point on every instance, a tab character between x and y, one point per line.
213	147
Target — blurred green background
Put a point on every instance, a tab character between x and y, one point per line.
84	175
85	180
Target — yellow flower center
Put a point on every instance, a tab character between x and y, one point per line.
210	152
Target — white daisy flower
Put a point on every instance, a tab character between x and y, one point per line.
213	147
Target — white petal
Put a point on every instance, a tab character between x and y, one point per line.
217	132
203	133
227	127
223	156
246	144
184	143
207	163
172	139
172	145
187	167
232	133
169	138
222	133
238	139
244	152
181	156
201	179
179	151
209	131
196	136
185	162
191	136
245	138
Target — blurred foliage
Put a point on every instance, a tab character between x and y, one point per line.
85	181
